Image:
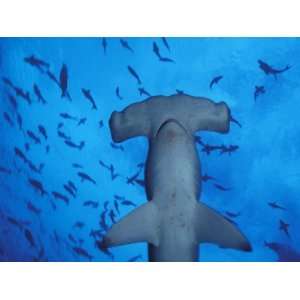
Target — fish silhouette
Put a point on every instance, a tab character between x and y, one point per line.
268	70
215	80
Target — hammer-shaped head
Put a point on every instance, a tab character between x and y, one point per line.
145	118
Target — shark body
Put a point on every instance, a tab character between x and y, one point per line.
173	222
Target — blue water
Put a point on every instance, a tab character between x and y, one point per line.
264	169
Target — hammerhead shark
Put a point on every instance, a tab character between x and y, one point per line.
173	222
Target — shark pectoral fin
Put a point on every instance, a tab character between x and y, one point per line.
213	228
141	225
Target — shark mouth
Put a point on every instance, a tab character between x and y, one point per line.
169	121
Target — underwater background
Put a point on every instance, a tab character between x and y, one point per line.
63	182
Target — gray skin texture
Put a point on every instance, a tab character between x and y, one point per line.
173	222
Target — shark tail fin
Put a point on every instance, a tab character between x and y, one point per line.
141	225
211	227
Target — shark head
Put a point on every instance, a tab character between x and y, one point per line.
146	118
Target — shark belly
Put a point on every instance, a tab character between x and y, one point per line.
172	221
173	184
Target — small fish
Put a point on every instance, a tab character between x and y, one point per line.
140	182
268	70
220	187
20	154
29	237
232	214
134	74
215	80
209	148
102	221
198	140
72	186
67	116
81	121
47	148
70	191
100	245
73	145
104	165
37	185
132	179
13	101
135	258
230	149
79	225
259	90
77	166
15	222
8	119
33	137
60	125
43	131
87	94
100	124
52	204
60	196
63	82
105	206
128	203
104	45
116	204
115	146
71	238
166	43
206	177
82	252
179	92
112	216
40	255
141	165
8	82
90	203
284	252
62	135
166	59
284	227
5	170
38	94
20	122
56	237
33	208
86	177
118	93
157	53
119	198
231	119
25	95
27	147
53	78
96	234
125	45
36	62
110	168
276	206
34	168
144	92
